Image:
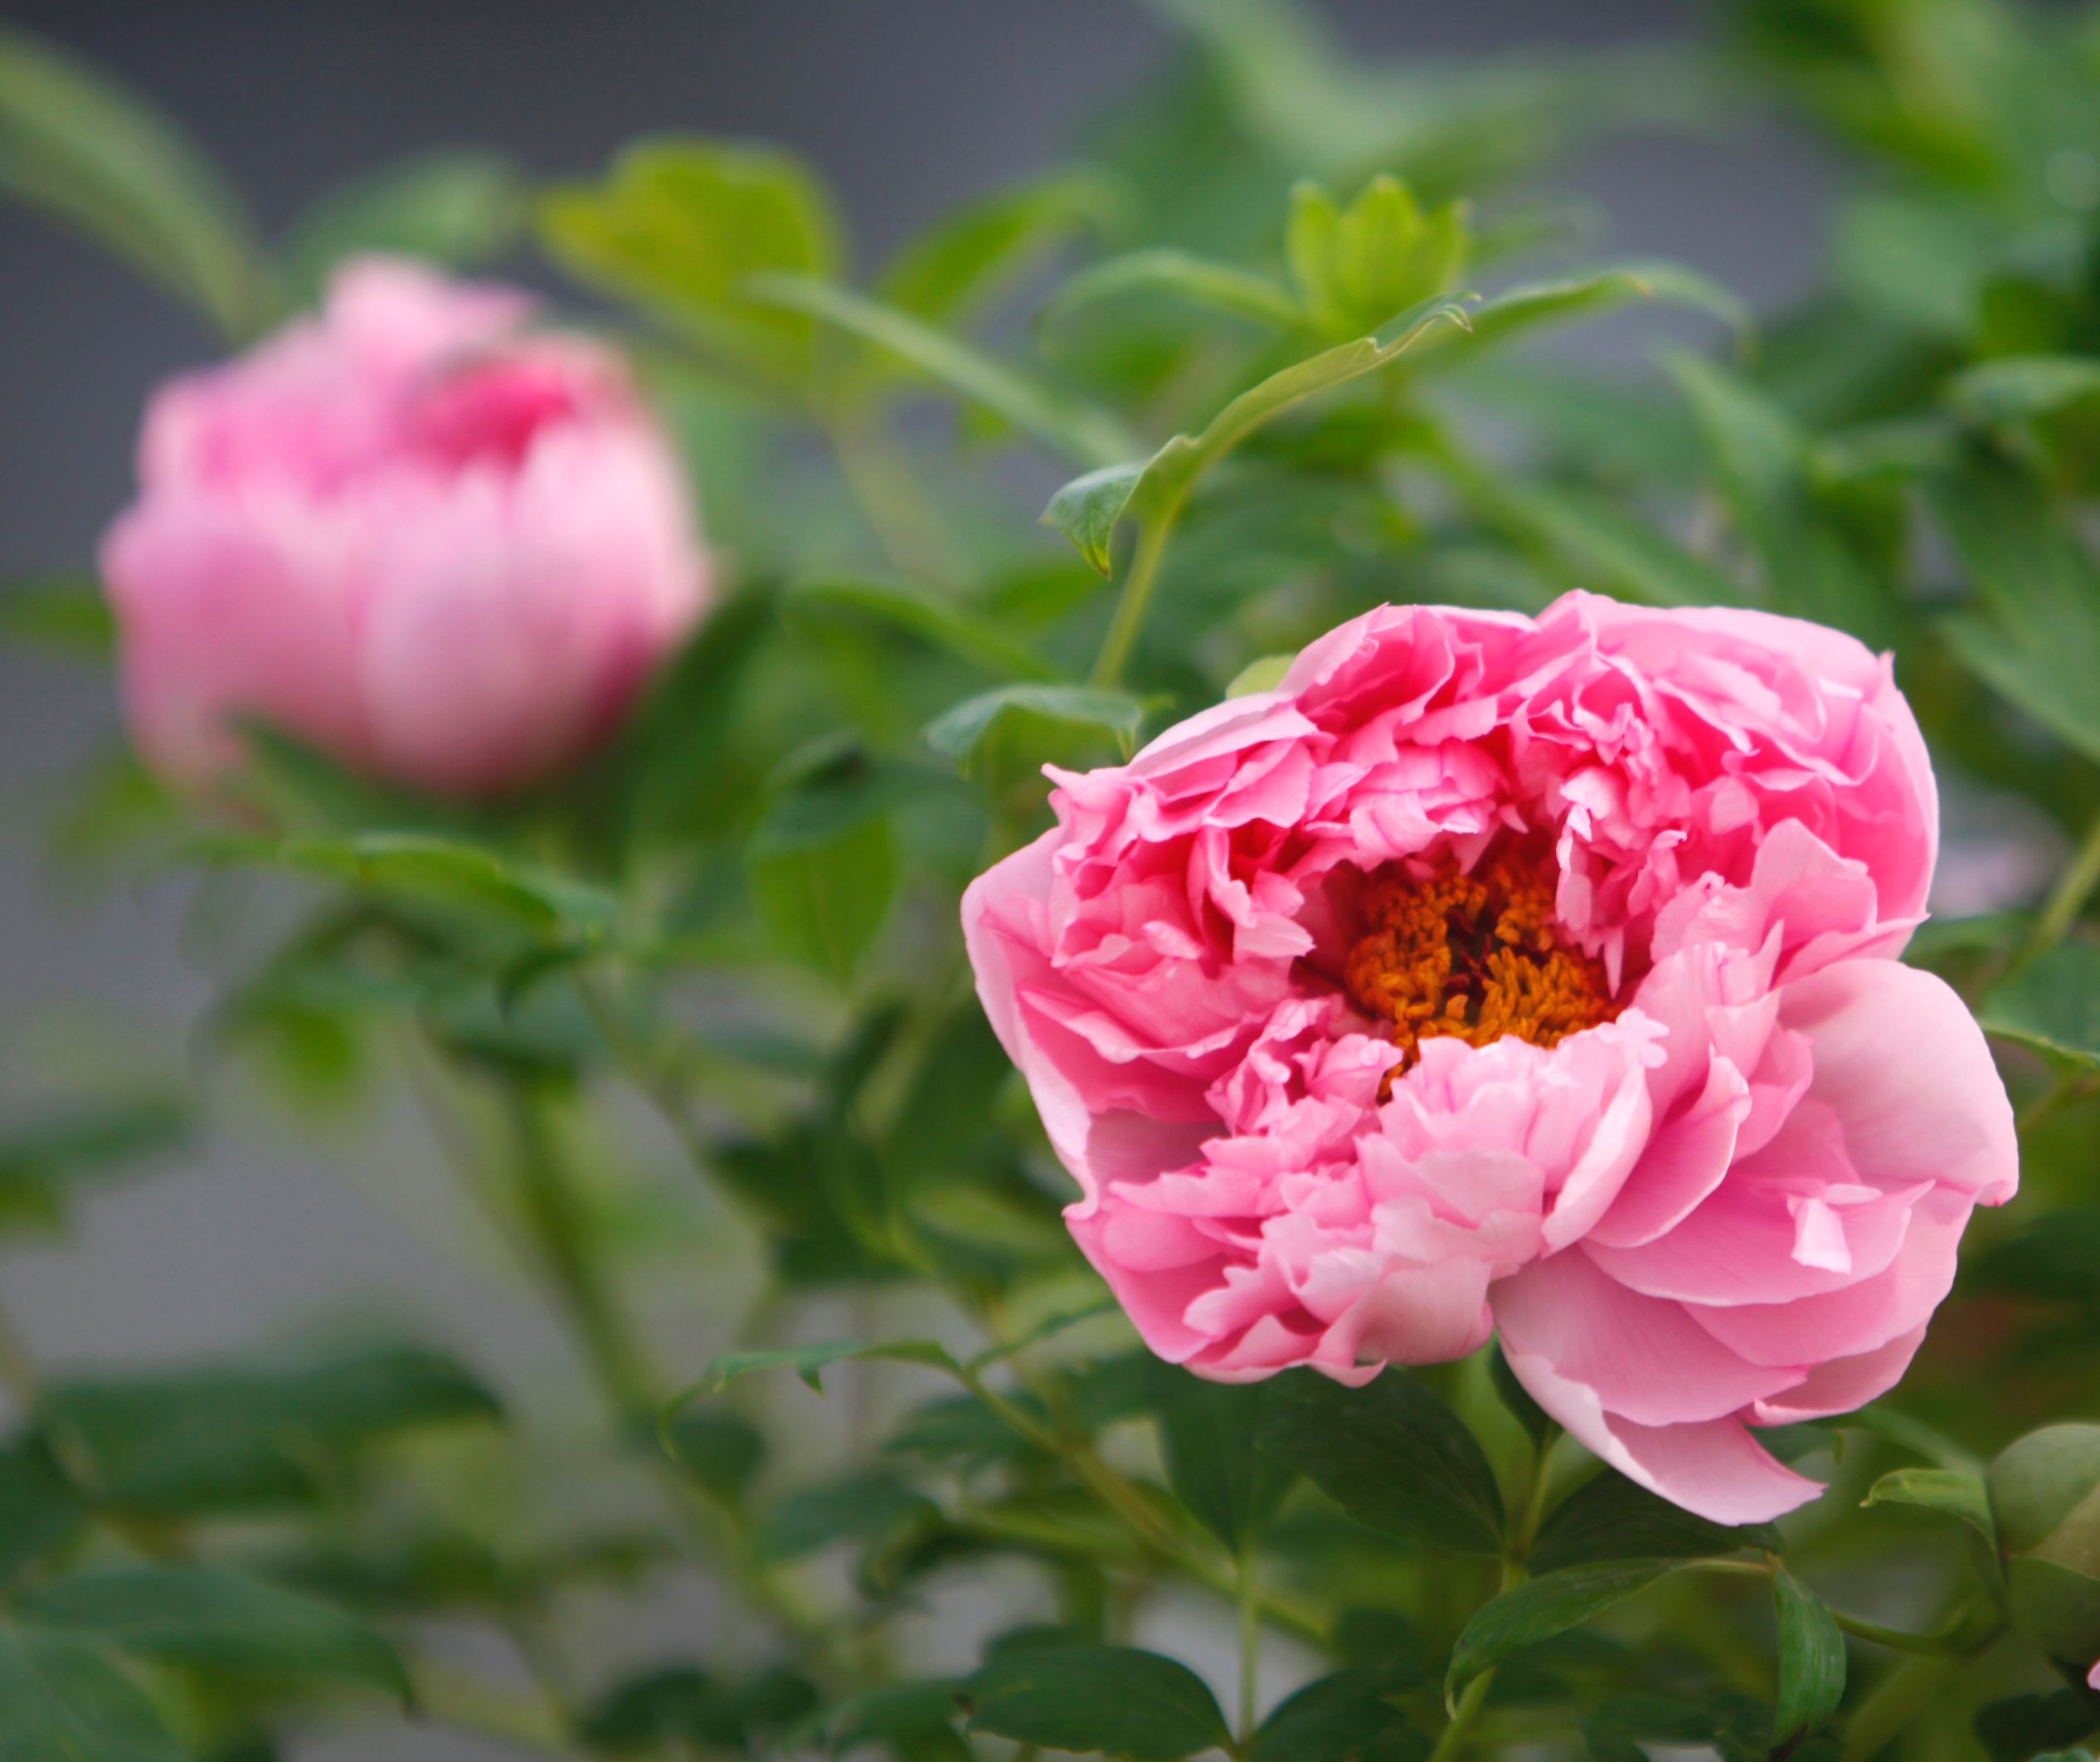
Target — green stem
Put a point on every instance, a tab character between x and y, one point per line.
1911	1687
1250	1612
2073	890
1452	1741
1138	583
889	496
18	1376
561	1233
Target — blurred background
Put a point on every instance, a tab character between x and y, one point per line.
910	108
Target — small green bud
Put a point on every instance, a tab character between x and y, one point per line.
2045	1495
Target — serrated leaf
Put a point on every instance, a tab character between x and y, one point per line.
101	160
217	1621
681	223
1610	1518
2021	389
1812	1659
1208	1433
1061	422
459	208
1545	1606
908	607
61	1701
1110	1699
1391	1455
2052	1005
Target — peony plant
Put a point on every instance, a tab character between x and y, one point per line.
1425	1084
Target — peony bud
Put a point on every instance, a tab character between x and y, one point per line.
2046	1493
442	547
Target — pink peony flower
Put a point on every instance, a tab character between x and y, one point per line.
442	547
1536	975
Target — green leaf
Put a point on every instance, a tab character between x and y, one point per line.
1546	1605
1604	546
1960	1493
217	1621
230	1438
1199	281
921	612
40	1512
1113	1700
446	870
61	613
1812	1659
1391	1455
2040	647
1355	267
101	160
965	734
1539	1425
2014	389
683	1707
2052	1005
681	224
1086	509
810	1362
1061	422
722	1451
460	208
959	264
871	1508
2023	1726
1264	674
824	863
1208	1432
1610	1518
1531	305
45	1156
1345	1717
63	1702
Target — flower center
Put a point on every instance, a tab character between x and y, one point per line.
1476	956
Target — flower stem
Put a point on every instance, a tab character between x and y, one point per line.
1138	583
2068	900
1249	1609
18	1376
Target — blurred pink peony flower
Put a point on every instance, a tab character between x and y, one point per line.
1530	975
442	547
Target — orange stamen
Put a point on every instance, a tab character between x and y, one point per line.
1474	956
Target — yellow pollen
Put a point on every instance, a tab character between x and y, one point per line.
1475	956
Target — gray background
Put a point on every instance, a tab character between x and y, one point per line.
909	105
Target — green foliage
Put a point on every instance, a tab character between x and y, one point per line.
693	1031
